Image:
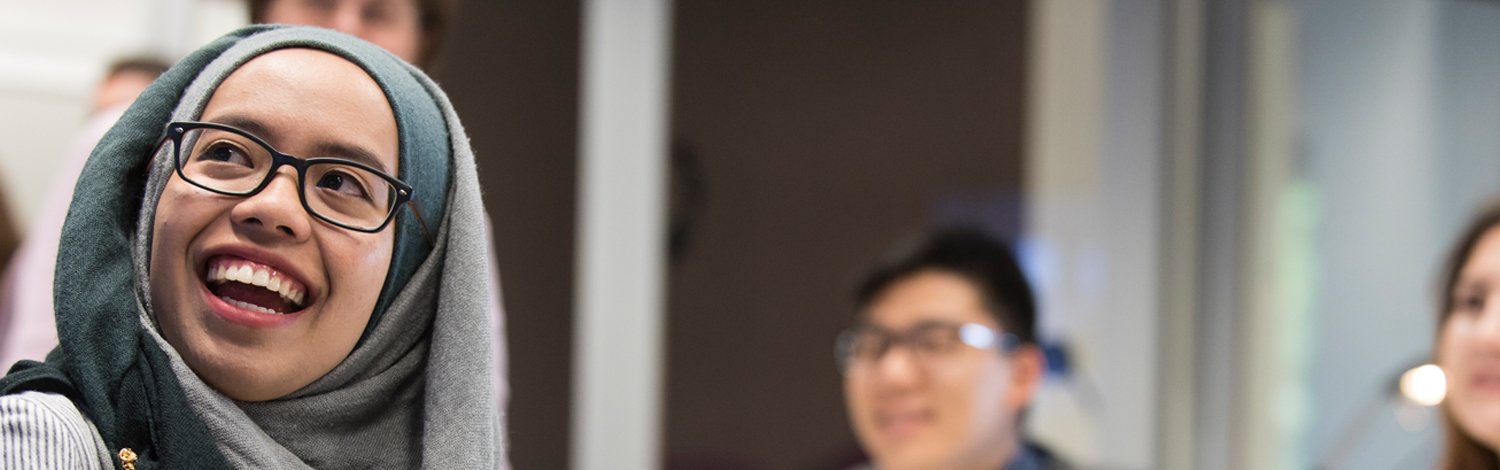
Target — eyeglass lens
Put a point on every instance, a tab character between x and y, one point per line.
927	341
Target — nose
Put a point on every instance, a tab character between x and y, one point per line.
898	367
274	214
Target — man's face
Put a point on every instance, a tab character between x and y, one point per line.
394	25
933	411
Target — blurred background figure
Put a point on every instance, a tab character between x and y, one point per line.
30	331
943	360
124	81
412	29
1468	345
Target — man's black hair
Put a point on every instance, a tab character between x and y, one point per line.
984	261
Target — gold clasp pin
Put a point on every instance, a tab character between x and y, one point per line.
127	458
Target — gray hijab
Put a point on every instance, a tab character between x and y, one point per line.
417	390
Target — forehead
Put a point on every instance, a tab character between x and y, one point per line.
306	100
928	296
304	5
1484	260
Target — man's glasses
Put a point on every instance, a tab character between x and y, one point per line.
230	161
928	342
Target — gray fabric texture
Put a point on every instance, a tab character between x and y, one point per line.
417	390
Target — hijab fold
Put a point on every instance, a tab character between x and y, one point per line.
416	390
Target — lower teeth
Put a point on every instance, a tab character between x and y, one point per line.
250	306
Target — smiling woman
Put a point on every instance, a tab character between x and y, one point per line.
1468	345
251	350
269	295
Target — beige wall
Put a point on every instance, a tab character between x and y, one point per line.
53	53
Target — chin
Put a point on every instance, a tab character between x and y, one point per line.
227	373
1483	425
912	456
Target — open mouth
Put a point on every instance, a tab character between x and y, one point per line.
902	423
254	286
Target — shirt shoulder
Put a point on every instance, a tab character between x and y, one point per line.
46	430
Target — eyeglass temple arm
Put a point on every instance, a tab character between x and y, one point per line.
421	221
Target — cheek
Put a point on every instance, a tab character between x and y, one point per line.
974	392
860	403
972	377
856	398
361	265
1471	409
178	219
1452	344
377	257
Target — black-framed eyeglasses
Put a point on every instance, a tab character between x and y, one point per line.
928	342
226	160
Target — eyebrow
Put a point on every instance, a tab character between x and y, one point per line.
248	125
350	152
320	149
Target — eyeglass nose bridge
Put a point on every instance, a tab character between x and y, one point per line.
848	357
892	342
298	176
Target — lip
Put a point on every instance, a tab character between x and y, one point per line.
246	317
1487	381
903	423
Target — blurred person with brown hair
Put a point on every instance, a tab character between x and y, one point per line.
27	327
943	360
10	240
411	29
125	80
1468	344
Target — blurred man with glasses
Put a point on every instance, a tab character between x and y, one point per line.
943	361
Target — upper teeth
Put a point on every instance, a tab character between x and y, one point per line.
257	276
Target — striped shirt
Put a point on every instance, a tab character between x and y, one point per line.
45	430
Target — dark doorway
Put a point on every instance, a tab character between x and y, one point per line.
811	135
511	69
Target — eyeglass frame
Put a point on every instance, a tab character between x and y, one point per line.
404	192
1001	341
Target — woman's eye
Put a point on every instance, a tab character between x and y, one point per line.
227	153
343	183
1469	300
1471	303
